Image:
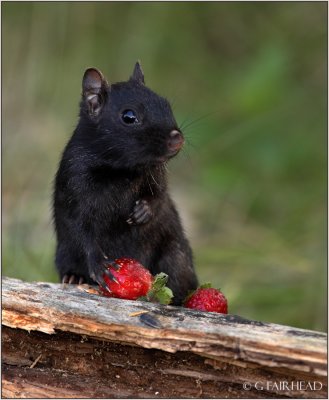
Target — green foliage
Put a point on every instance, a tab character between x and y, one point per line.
251	181
159	292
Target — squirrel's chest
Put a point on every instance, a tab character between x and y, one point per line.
114	200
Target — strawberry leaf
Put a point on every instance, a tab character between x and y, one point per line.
205	285
190	293
159	292
160	281
164	295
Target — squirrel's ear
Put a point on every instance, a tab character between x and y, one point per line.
138	74
94	87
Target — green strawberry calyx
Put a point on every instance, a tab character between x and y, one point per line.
159	292
190	293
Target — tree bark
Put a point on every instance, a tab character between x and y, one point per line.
73	343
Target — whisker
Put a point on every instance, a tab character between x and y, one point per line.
148	182
199	119
190	143
181	126
187	156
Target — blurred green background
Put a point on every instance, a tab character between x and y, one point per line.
249	78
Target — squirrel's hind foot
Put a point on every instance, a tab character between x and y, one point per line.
73	279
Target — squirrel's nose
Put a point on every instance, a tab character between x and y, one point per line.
175	141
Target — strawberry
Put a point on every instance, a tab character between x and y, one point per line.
129	279
206	298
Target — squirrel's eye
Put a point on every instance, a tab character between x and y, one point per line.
129	117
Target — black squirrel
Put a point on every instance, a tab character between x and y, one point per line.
110	196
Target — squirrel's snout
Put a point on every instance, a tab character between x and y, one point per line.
175	141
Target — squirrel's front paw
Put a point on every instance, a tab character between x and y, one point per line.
141	214
98	268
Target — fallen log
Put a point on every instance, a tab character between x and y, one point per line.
73	343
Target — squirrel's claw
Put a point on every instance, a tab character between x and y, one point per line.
110	276
115	265
99	269
72	279
141	214
104	286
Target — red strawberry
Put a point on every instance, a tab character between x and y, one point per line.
206	298
132	280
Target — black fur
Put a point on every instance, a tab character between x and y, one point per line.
111	197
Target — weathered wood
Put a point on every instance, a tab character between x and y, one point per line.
179	353
89	368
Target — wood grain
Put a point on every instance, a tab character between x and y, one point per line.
249	351
81	367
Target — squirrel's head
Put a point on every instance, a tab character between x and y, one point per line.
134	125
